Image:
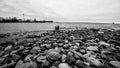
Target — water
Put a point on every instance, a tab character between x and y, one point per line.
17	27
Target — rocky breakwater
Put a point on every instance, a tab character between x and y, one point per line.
85	48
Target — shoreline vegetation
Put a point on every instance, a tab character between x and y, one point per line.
17	20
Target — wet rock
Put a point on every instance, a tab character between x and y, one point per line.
56	63
41	59
53	56
75	48
102	43
79	63
70	59
21	47
15	57
14	52
53	67
10	65
83	51
45	63
8	49
48	46
116	64
94	61
63	65
1	60
66	46
28	58
25	52
92	48
64	58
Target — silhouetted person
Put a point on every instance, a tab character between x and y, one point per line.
57	27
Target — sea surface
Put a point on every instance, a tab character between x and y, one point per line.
17	27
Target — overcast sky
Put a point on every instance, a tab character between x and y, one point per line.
63	10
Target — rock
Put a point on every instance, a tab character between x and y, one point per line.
8	48
78	44
70	59
79	63
28	58
25	52
21	47
116	64
53	67
75	48
94	61
66	41
70	54
102	43
1	60
64	58
1	53
63	65
60	44
36	48
92	48
30	64
83	51
41	59
48	46
86	63
53	56
14	52
66	46
76	56
74	66
45	63
91	44
56	63
10	65
15	57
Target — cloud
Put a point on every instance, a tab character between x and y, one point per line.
63	10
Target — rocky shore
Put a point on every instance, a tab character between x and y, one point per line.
85	48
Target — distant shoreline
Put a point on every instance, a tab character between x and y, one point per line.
65	22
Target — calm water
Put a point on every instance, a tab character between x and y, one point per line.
16	27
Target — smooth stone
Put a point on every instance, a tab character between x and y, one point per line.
94	61
63	65
64	58
8	48
1	60
92	48
115	64
41	59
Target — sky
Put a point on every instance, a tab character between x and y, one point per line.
63	10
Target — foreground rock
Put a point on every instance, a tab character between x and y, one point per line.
85	48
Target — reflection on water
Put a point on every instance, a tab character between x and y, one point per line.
16	27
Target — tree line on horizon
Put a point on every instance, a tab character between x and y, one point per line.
16	20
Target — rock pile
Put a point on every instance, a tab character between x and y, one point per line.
85	48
